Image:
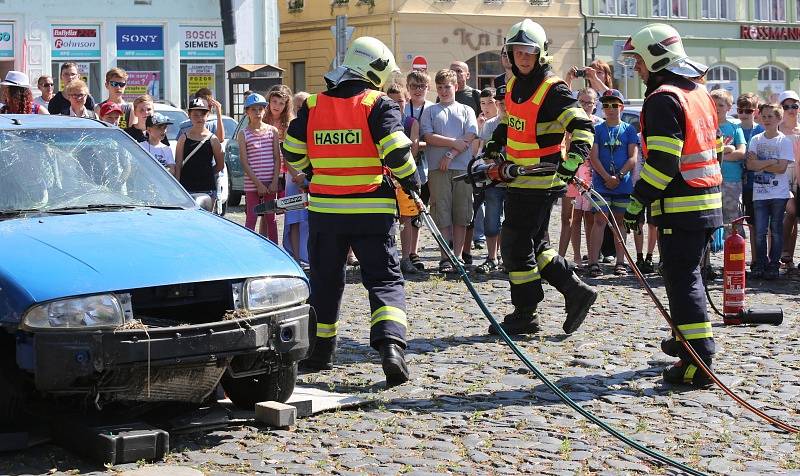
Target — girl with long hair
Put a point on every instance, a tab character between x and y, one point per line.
17	96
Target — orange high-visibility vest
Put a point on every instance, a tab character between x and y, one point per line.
698	160
342	152
521	145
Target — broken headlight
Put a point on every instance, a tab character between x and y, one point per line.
101	310
274	292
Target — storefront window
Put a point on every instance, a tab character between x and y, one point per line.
618	7
141	52
770	10
723	77
202	62
144	77
79	44
484	68
719	9
771	82
670	8
6	48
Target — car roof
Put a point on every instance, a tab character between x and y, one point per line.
46	121
166	107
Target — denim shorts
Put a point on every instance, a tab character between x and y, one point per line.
617	202
494	198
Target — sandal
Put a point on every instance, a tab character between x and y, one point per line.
620	270
446	267
594	270
487	267
416	261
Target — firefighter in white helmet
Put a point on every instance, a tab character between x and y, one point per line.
342	139
540	109
681	181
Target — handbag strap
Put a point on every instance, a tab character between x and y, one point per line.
197	147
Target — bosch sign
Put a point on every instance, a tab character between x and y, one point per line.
201	41
754	32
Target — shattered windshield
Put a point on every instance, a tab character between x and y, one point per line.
50	169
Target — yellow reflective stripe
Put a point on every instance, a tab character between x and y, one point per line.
665	144
581	135
545	257
510	84
311	101
702	156
521	145
538	182
351	205
720	145
522	277
327	330
322	179
525	161
707	171
655	178
389	313
300	163
693	203
393	141
691	369
543	88
697	330
294	145
371	97
343	162
571	113
551	127
406	169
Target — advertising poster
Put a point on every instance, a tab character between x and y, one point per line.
201	42
139	41
75	41
142	82
200	76
6	40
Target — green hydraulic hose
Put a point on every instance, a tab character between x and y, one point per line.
426	218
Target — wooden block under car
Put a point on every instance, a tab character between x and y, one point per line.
276	414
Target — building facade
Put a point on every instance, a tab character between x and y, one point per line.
437	32
750	46
169	50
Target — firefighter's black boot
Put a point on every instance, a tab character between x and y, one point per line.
393	362
686	372
321	356
670	346
579	298
521	321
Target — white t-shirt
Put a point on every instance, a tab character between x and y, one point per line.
768	185
161	152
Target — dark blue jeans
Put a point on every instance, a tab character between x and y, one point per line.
769	214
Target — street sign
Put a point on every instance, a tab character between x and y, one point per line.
342	34
419	63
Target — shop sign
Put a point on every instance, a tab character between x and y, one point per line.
140	41
6	40
476	40
140	83
201	42
200	76
758	32
83	73
75	41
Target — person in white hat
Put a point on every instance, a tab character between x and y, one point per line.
17	96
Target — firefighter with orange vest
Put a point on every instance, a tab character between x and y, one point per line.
681	181
540	109
342	139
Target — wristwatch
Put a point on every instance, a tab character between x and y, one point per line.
449	155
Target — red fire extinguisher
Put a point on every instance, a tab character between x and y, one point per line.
734	273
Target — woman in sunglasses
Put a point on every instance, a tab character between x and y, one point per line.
790	103
46	85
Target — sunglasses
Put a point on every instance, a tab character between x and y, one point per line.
47	85
78	96
117	84
745	111
786	107
611	105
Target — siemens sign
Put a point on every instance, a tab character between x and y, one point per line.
140	41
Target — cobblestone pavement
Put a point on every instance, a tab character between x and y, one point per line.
472	408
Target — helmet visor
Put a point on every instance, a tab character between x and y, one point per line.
530	49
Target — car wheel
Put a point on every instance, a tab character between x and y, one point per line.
277	386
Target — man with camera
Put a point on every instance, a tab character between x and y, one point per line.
540	110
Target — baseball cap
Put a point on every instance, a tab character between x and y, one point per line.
109	107
500	92
158	119
612	95
199	103
788	94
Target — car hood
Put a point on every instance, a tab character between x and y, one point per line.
50	257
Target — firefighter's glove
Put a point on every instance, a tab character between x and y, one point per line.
632	217
493	157
411	187
567	167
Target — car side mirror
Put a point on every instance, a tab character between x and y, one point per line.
204	201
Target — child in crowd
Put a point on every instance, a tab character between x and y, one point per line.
156	130
116	80
449	128
475	232
142	108
259	154
732	159
111	113
613	157
494	197
76	92
198	153
746	111
768	155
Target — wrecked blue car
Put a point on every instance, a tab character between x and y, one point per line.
115	286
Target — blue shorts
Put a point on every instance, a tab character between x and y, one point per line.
617	203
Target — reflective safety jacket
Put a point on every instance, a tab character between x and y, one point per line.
681	174
540	110
347	162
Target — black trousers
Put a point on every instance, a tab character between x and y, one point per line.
380	274
526	250
681	254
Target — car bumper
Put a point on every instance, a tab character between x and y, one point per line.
117	361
